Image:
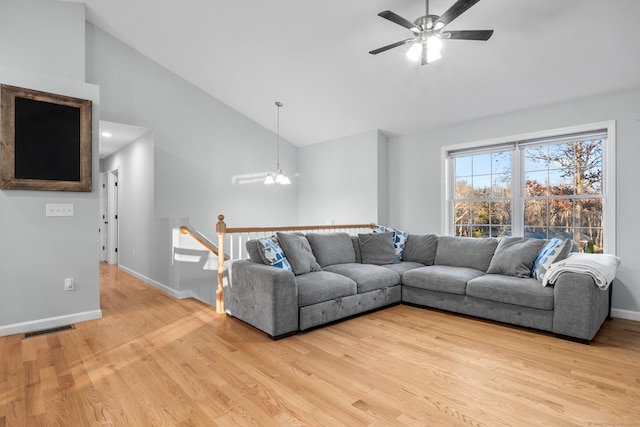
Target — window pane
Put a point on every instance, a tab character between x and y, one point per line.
463	166
536	184
501	185
482	186
480	213
536	232
588	212
536	158
462	213
535	213
501	163
560	157
462	230
561	233
561	183
593	234
482	164
500	231
480	231
463	188
560	213
500	213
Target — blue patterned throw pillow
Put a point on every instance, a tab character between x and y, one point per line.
399	238
272	253
555	250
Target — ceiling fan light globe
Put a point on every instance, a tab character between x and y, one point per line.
434	44
415	51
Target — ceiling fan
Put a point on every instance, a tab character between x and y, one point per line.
428	32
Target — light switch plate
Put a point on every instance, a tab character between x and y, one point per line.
59	209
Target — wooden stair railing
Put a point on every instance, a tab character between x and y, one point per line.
222	230
198	237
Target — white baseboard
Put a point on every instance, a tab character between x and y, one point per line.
51	322
164	288
625	314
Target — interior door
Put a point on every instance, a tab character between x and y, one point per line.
112	217
103	227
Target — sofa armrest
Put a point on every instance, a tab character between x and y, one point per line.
263	296
580	306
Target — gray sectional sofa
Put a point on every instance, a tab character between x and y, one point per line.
334	276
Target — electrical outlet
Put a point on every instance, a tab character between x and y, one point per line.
69	284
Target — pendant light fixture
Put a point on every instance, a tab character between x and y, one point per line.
278	177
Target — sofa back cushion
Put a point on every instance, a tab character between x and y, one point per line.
421	248
515	256
377	248
356	248
399	238
332	248
253	250
298	252
467	252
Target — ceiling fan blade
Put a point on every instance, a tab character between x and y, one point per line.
454	11
390	46
397	19
467	35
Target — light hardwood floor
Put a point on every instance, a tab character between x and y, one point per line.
156	361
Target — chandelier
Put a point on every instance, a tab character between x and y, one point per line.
279	176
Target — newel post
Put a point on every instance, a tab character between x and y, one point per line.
221	229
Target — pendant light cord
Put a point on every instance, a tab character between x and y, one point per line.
278	104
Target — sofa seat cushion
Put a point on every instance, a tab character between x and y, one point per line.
441	278
403	267
526	292
320	286
367	276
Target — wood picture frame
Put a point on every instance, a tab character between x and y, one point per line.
45	141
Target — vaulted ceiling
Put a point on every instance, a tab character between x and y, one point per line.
313	57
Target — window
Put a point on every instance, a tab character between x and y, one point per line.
540	185
483	194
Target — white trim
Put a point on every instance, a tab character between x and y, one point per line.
51	322
160	286
625	314
610	189
609	165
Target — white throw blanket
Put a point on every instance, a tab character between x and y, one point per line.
602	267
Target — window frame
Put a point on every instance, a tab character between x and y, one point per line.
517	202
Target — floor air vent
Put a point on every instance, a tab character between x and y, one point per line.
48	331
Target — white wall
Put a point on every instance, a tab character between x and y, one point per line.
43	36
344	181
42	47
209	159
416	176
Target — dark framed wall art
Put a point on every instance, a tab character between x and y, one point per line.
45	141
